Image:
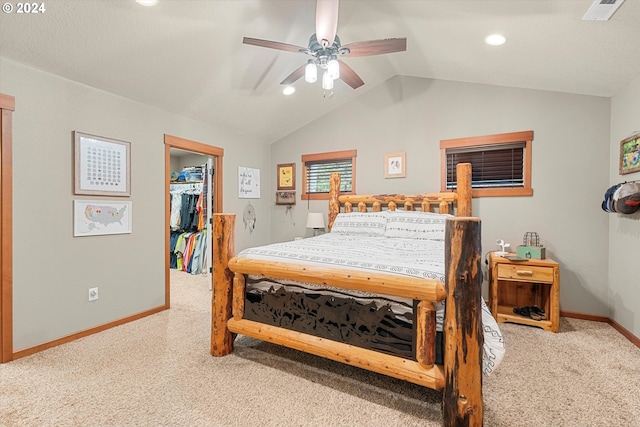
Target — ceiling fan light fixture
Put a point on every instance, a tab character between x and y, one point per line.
147	2
327	81
333	68
288	90
325	47
310	72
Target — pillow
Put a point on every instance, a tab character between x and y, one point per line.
416	225
360	224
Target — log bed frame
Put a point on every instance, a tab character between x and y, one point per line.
460	376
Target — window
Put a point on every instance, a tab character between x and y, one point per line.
317	169
501	164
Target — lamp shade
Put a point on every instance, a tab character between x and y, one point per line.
333	68
310	72
315	220
327	81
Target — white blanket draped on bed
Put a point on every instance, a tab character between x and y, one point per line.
381	250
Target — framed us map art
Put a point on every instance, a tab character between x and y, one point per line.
286	176
99	217
102	165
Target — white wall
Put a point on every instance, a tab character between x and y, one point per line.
52	270
570	173
624	230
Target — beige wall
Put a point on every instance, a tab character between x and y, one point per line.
624	230
52	270
570	172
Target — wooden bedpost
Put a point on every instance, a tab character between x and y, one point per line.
221	298
425	334
463	174
334	193
462	400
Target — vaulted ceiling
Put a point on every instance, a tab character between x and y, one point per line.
187	56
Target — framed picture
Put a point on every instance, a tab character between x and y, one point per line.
99	217
102	165
285	197
286	176
248	183
395	165
630	154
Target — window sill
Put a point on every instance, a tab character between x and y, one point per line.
501	192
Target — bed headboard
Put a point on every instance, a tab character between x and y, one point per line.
458	201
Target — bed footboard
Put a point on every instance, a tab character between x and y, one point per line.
461	374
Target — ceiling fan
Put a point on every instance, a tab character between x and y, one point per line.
325	49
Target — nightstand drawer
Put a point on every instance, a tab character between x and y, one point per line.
526	272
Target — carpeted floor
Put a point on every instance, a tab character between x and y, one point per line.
158	372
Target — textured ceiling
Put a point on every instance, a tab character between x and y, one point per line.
187	56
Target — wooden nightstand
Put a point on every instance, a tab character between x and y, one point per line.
523	284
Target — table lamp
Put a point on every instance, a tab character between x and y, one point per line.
315	220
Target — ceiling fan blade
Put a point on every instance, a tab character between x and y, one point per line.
349	76
297	73
326	21
274	45
376	47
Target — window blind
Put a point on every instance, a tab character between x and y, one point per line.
500	165
319	175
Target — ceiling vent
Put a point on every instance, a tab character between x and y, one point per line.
601	10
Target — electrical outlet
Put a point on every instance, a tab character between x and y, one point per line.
93	294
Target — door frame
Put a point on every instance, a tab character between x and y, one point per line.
7	107
197	147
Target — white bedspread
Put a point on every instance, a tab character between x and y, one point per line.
409	257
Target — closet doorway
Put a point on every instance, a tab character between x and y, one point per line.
186	174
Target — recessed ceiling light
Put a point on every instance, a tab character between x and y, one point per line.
289	90
495	40
147	2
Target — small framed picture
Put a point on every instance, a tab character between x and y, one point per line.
395	165
102	165
630	154
286	176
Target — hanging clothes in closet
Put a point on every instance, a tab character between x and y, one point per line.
188	243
